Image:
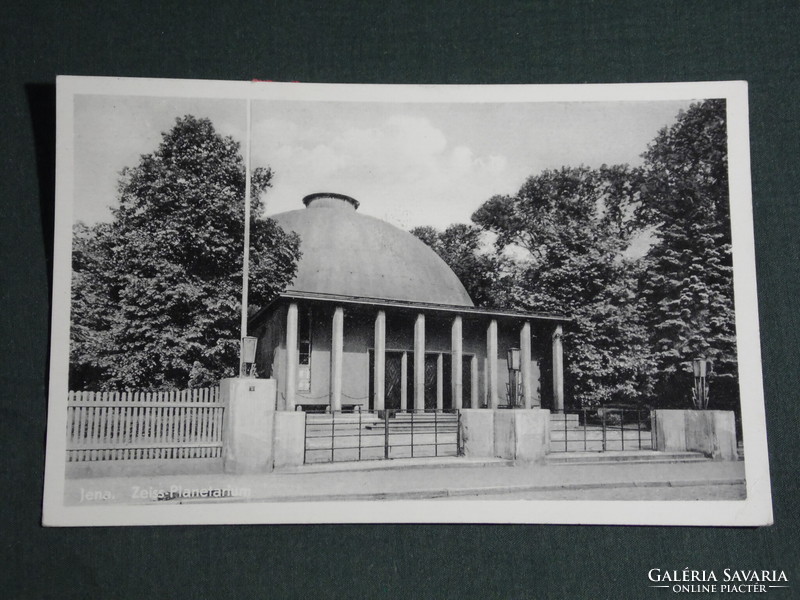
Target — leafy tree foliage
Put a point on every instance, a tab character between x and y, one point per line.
687	284
483	274
639	259
575	226
156	293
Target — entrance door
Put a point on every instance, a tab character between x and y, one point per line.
466	382
393	373
392	380
431	370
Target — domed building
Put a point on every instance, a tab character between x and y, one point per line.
375	319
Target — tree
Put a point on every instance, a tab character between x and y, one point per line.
156	292
461	247
638	317
574	226
687	284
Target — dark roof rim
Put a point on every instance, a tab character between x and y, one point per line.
388	302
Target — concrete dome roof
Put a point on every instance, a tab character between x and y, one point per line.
351	254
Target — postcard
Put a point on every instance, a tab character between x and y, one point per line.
323	303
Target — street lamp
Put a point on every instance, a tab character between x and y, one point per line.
700	367
248	351
514	386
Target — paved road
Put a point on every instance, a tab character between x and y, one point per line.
699	492
449	477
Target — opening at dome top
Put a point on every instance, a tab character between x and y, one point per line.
330	200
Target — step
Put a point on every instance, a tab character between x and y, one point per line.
626	456
597	436
430	462
560	417
596	447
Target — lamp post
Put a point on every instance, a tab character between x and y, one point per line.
246	343
515	391
700	367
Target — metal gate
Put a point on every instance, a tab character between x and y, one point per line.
601	429
383	434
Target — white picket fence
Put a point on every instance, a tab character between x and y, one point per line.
109	426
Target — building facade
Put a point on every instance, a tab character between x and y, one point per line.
375	319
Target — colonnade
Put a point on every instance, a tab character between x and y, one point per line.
418	365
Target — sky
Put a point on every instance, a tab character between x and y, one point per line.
408	163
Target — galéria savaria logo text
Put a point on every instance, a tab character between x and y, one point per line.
735	581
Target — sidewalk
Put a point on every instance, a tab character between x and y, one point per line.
389	480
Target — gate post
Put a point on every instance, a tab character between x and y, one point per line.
248	418
289	441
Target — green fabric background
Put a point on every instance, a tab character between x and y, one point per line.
455	42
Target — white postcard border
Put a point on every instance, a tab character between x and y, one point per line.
755	510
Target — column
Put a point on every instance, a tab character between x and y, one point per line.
419	363
440	381
491	363
525	363
337	349
291	357
558	369
473	375
404	381
380	360
456	364
485	398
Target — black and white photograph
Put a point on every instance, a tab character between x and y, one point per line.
330	303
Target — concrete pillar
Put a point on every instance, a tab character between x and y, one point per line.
247	424
291	357
404	381
477	433
712	432
380	360
522	435
289	439
558	369
473	379
419	363
491	364
337	349
456	344
525	360
440	381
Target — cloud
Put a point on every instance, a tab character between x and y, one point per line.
402	168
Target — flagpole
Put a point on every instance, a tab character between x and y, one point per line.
246	258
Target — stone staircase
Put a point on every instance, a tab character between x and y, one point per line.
423	422
567	434
623	457
573	443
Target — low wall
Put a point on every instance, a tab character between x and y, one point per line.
521	435
257	438
712	432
